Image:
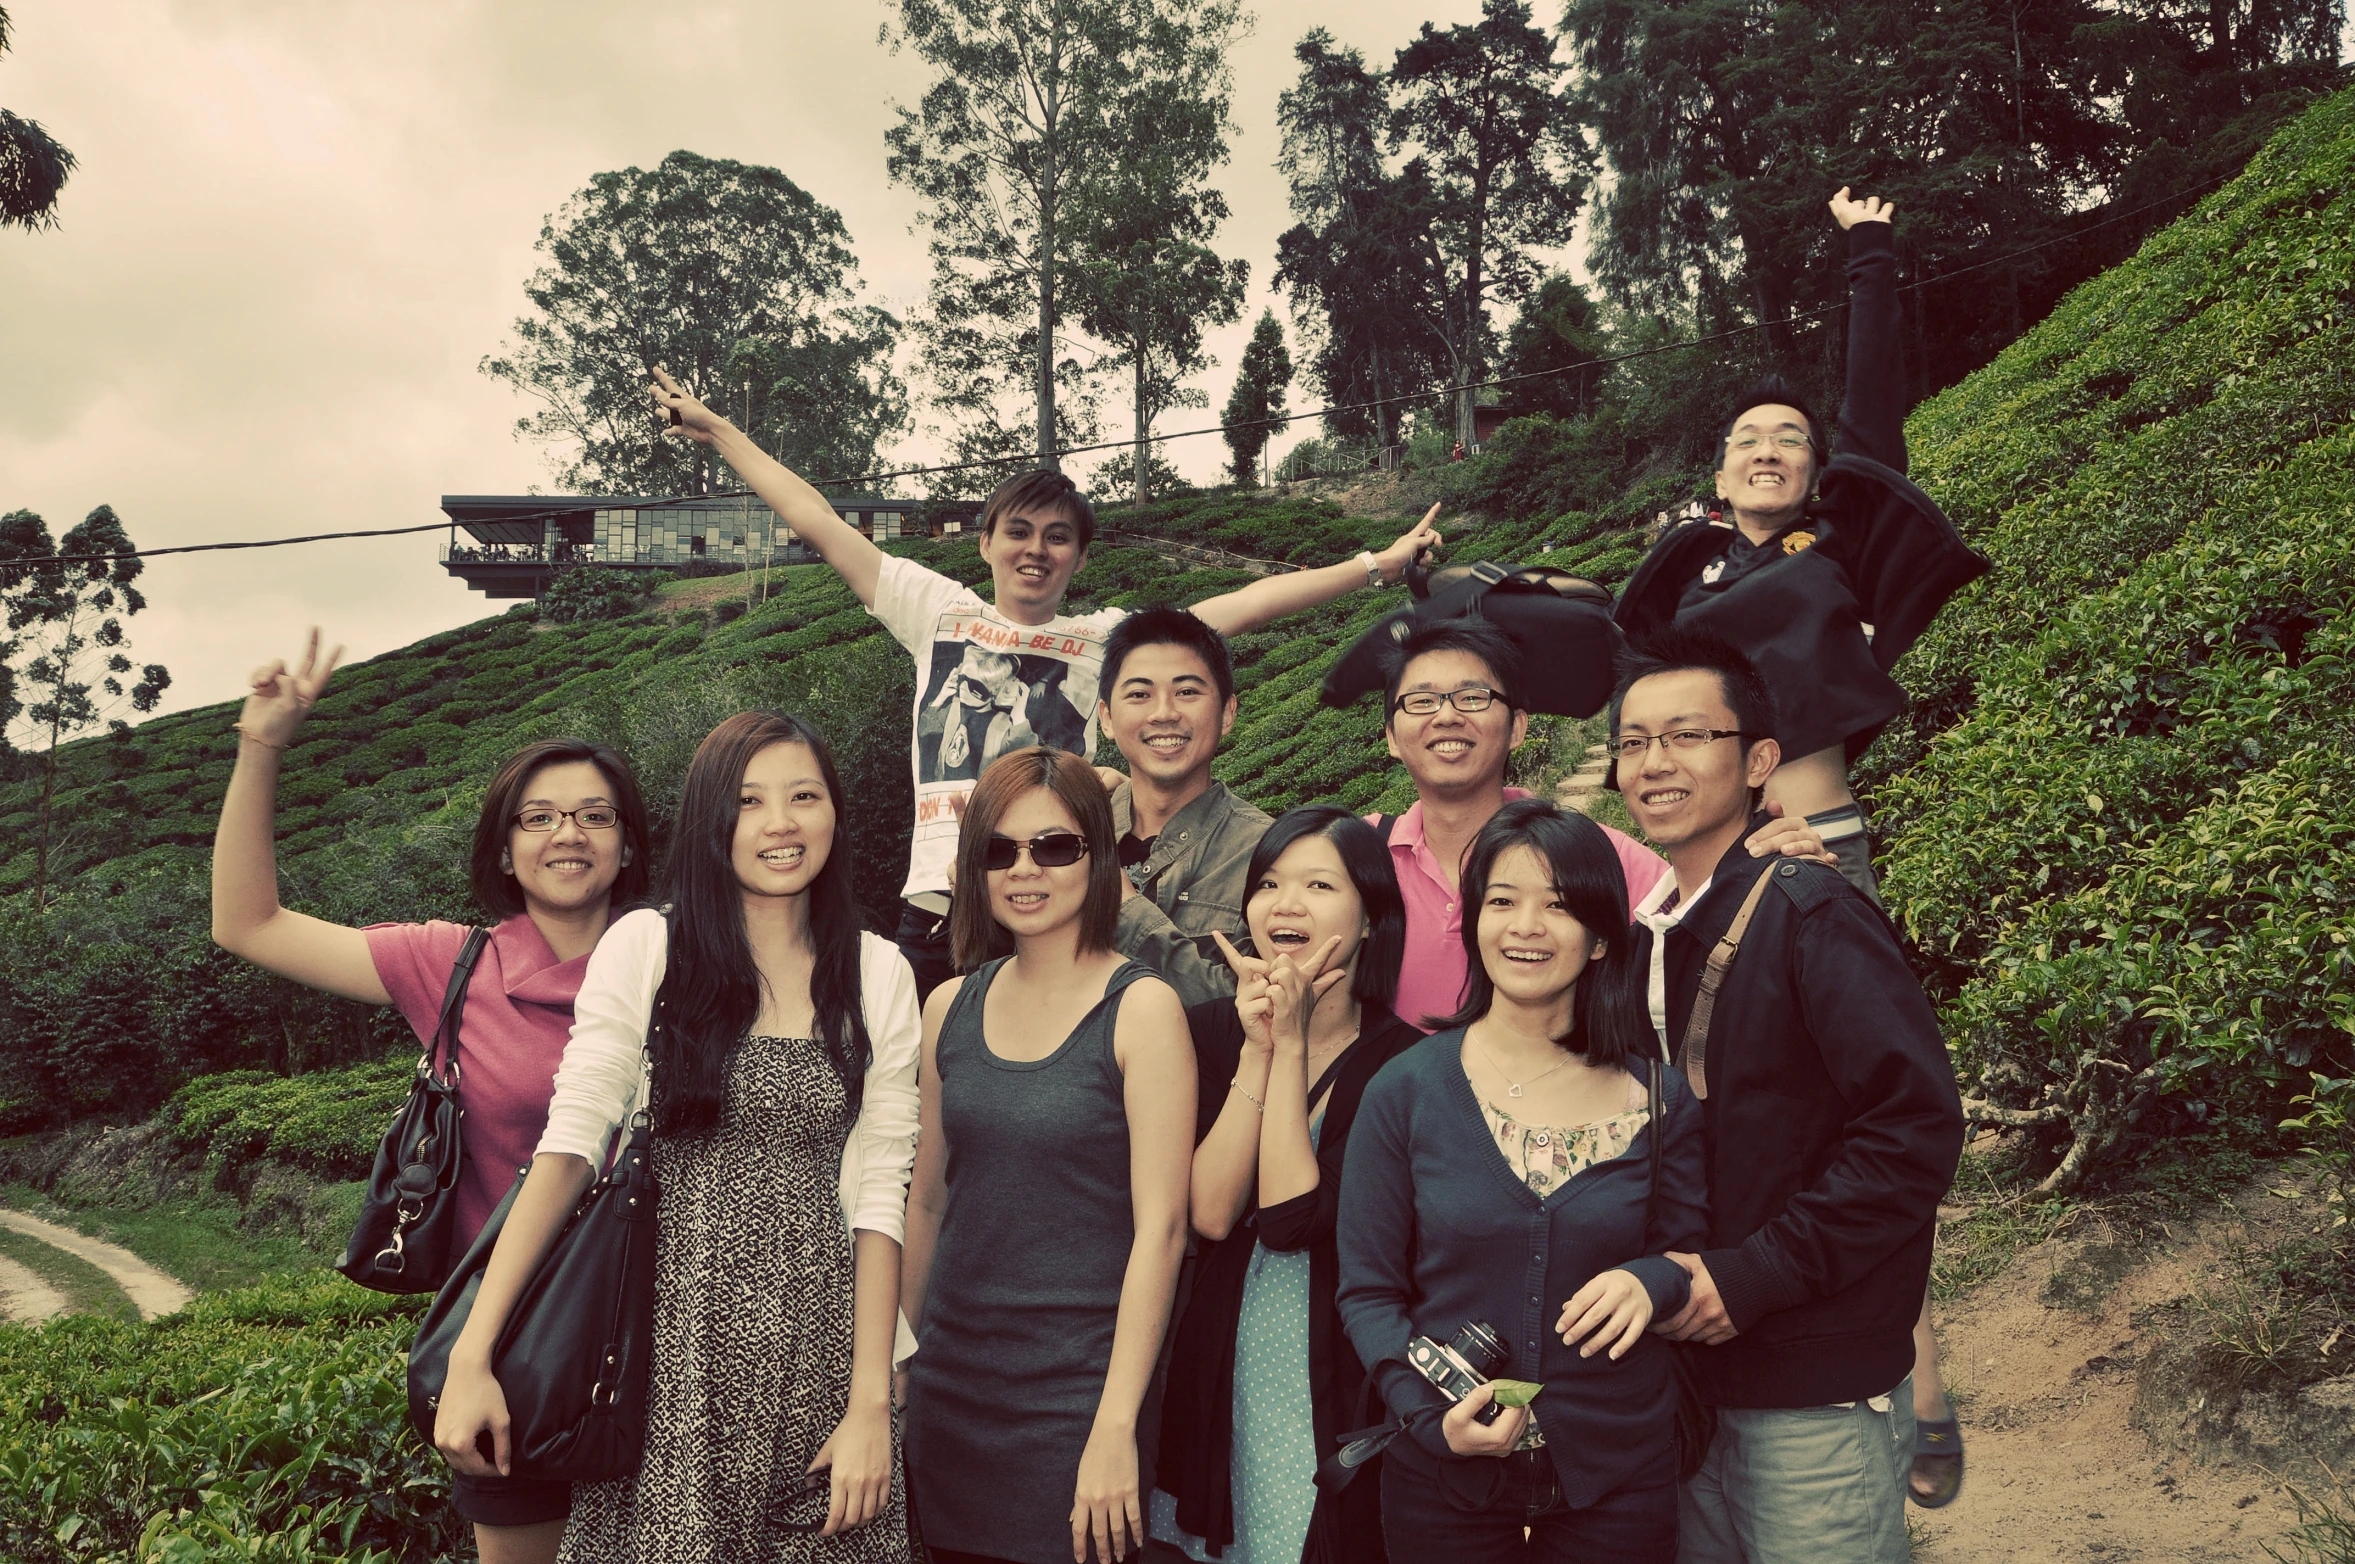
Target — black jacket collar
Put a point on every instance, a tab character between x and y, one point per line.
1728	884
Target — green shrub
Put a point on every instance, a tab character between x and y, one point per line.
591	592
327	1122
267	1423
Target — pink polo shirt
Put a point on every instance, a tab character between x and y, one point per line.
517	1021
1431	983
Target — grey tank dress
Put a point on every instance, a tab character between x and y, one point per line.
1034	1243
752	1335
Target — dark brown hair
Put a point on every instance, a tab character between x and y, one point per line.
711	986
975	935
496	888
1041	495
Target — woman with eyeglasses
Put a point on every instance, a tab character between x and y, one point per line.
561	839
1502	1175
1262	1378
1047	1219
778	1040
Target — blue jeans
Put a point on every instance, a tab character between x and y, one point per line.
1475	1511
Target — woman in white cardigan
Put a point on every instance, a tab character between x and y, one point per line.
781	1080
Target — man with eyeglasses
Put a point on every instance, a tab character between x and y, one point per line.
1829	567
1833	1126
1449	718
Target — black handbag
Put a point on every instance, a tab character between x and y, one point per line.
572	1358
1561	624
1696	1420
402	1240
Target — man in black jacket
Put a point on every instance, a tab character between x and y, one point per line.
1833	1122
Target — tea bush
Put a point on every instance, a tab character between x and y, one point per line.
326	1123
266	1423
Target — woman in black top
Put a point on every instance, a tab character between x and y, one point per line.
1283	1066
1502	1174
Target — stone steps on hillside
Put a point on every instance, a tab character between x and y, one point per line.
1582	787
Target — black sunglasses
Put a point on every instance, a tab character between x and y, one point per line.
1049	850
814	1498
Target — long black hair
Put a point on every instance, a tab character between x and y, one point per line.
711	992
1367	863
1610	1017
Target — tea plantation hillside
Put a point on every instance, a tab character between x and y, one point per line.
116	995
2120	818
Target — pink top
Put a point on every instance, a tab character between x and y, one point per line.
518	1018
1431	981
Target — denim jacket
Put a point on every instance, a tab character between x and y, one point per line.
1192	884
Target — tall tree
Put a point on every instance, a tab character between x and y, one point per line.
1480	103
1257	401
1147	283
1556	340
1364	287
718	270
1029	97
33	167
80	658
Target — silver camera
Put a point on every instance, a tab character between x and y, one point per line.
1471	1357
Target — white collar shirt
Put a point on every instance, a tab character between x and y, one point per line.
1661	911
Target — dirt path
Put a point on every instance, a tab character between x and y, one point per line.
151	1290
25	1295
2043	1359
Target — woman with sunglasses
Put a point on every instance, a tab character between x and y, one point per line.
1262	1378
1501	1176
782	1043
1047	1219
560	840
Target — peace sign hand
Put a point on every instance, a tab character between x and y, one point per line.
1294	989
1872	209
1255	1004
281	699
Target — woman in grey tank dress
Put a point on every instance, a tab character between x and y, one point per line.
1047	1219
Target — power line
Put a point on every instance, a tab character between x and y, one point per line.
1033	458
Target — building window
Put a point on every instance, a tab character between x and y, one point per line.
695	547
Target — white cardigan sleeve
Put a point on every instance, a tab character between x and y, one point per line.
876	1199
598	1084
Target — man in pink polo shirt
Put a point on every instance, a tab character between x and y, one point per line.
1449	718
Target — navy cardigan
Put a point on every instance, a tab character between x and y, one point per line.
1436	1230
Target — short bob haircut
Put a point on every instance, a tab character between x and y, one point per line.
975	935
496	888
1476	636
1042	495
1610	1015
1168	627
1367	862
1673	650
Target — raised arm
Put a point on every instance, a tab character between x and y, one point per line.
804	509
1872	410
1226	1160
247	920
1157	1090
1272	597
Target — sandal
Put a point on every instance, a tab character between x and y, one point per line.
1937	1461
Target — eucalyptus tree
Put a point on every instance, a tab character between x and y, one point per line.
33	166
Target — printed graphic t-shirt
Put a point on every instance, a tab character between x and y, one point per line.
984	685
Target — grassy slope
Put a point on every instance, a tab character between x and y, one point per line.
2117	820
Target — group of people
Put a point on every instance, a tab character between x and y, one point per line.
1479	1183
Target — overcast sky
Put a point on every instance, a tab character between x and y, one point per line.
299	225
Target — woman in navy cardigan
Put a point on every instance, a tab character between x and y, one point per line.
1500	1172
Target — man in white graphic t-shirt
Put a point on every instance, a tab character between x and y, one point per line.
1007	672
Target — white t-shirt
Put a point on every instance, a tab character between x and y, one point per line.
984	685
1648	913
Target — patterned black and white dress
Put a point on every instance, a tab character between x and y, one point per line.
752	1336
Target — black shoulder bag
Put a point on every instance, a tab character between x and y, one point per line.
402	1241
572	1357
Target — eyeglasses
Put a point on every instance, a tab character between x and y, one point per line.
595	817
1782	442
1425	703
1050	850
1631	746
804	1509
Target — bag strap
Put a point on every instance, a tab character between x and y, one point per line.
1693	1056
445	1032
1382	828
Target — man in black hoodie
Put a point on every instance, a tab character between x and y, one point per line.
1834	1127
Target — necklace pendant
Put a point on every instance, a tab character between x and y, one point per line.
1513	1092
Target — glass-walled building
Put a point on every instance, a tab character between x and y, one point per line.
509	546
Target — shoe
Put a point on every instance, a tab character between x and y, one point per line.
1937	1462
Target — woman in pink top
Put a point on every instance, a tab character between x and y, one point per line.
561	840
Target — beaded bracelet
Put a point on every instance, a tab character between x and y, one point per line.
1237	1084
238	728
